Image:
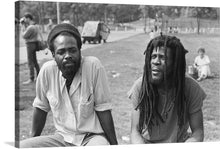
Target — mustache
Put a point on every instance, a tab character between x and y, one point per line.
70	60
155	68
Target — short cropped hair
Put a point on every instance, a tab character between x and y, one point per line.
201	50
28	15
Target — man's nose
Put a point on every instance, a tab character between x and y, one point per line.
157	61
67	55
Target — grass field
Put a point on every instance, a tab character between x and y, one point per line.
126	58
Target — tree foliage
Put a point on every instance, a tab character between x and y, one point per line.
203	13
78	13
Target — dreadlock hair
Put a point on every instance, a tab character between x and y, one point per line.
149	94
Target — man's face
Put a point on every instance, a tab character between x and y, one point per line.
26	20
66	54
201	54
158	65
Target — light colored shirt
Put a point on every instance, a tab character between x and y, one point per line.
151	34
169	131
74	112
202	65
202	61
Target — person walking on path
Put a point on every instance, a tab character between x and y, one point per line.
31	35
76	90
166	101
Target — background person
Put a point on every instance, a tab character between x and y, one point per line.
31	35
166	102
50	25
201	64
76	90
151	34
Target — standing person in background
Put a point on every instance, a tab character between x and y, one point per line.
31	35
151	34
201	64
50	25
166	102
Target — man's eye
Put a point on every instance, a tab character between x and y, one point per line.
153	56
60	52
162	57
72	50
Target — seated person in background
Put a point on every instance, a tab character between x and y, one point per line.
201	64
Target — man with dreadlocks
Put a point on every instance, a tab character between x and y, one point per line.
166	101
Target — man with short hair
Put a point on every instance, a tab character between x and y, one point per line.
31	36
75	89
166	101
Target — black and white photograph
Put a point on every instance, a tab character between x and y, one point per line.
115	74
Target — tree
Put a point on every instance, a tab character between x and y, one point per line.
203	13
126	13
218	14
144	10
37	9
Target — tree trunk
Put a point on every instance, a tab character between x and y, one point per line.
105	16
145	21
198	24
40	16
218	14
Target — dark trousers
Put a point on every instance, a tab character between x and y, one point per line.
32	59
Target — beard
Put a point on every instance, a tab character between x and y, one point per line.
69	67
156	81
159	79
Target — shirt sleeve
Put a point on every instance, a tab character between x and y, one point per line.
194	95
134	92
27	33
207	60
41	100
101	90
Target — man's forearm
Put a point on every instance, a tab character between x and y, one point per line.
107	124
39	119
197	136
196	125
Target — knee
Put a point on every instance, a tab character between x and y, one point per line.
34	142
98	140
